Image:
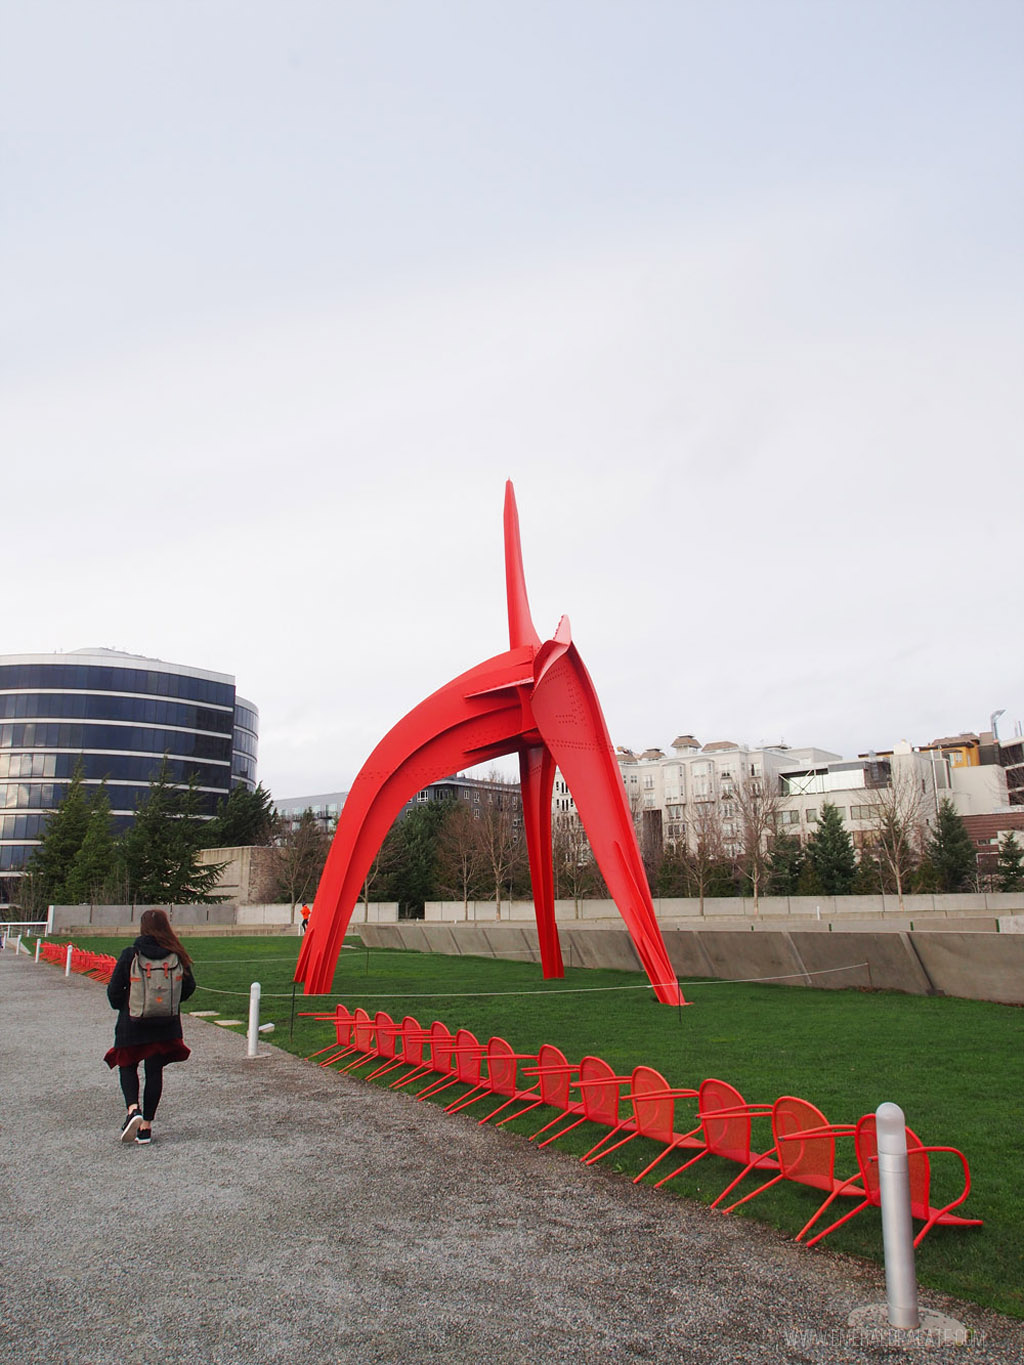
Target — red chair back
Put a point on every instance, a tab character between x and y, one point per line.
727	1133
442	1046
386	1034
555	1075
653	1108
468	1056
362	1030
805	1155
414	1041
599	1091
918	1167
501	1067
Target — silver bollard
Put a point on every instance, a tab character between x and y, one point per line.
897	1224
254	1017
67	962
39	944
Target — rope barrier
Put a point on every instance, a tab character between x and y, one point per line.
570	990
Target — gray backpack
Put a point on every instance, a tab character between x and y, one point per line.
155	989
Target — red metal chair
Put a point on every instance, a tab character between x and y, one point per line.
360	1047
467	1058
805	1148
502	1079
441	1042
383	1041
653	1117
343	1020
554	1077
413	1039
919	1170
725	1122
599	1101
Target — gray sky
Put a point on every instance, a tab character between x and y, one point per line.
732	292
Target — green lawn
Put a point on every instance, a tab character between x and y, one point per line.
954	1066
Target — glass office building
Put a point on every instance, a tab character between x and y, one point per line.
118	716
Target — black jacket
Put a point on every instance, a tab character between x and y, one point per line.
128	1031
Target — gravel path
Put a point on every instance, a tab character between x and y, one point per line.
284	1214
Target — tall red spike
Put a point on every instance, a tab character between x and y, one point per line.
521	630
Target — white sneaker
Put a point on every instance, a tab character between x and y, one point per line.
131	1126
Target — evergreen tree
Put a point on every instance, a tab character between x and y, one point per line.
830	849
808	883
93	873
50	864
299	860
785	863
414	880
1010	868
160	851
722	879
868	881
245	819
950	851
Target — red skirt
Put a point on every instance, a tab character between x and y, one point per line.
173	1051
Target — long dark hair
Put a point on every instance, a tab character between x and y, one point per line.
158	926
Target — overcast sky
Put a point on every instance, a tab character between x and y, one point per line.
732	292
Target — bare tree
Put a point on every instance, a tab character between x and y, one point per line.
501	836
299	861
384	863
460	855
758	802
898	820
577	875
705	846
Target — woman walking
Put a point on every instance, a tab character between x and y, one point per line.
153	1041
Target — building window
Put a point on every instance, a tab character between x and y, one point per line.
789	817
811	815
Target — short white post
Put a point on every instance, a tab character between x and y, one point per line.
17	944
897	1224
39	944
67	960
254	1017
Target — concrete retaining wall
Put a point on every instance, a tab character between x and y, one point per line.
68	917
975	966
982	910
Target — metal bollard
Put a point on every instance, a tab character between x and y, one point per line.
67	963
39	944
254	1017
897	1224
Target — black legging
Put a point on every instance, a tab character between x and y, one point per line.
154	1085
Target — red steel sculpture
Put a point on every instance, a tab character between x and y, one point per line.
535	700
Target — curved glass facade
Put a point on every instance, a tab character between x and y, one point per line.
119	717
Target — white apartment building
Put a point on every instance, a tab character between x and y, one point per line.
696	787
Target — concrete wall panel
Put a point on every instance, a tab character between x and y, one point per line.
686	953
892	962
611	948
440	939
508	941
975	966
382	935
471	940
739	956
